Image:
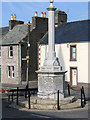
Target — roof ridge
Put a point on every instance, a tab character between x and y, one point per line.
4	27
79	21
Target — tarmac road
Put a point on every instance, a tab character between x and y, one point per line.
24	114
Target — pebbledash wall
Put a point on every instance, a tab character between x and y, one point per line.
14	61
63	53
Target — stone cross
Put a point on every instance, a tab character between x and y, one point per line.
50	76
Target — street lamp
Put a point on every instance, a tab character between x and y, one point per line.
27	57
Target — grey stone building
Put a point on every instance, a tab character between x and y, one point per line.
13	44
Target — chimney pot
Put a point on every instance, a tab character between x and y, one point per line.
44	14
14	17
35	13
41	14
11	16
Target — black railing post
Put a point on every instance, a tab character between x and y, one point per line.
17	95
26	91
84	95
68	89
81	99
8	97
12	95
28	99
58	108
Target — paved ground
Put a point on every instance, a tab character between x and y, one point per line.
24	113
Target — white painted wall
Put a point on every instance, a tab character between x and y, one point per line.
63	53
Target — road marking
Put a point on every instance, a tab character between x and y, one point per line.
41	116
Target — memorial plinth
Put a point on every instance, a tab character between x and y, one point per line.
50	76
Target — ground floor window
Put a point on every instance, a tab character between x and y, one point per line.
11	72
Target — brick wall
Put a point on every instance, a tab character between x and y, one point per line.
6	61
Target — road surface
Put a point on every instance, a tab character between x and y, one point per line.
24	114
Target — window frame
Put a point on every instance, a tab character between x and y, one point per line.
71	58
10	56
13	74
9	71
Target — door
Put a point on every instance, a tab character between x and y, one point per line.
73	74
0	74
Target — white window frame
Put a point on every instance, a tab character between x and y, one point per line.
9	71
13	74
10	56
71	53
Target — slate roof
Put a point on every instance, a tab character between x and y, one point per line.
70	32
15	35
3	31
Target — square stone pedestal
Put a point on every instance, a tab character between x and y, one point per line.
49	83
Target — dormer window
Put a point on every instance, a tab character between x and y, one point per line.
10	51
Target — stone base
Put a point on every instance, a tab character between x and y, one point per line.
49	83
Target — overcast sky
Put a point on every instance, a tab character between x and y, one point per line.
26	10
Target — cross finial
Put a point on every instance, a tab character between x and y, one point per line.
51	1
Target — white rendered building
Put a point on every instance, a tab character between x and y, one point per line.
72	48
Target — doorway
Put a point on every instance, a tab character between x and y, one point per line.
73	76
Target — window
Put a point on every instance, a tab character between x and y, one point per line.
10	51
12	71
73	53
9	72
0	51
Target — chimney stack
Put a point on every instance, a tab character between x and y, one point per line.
44	14
41	14
14	16
14	22
11	16
35	13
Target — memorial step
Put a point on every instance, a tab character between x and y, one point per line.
49	104
38	100
76	104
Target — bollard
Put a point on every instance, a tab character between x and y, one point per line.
17	95
29	99
58	108
68	89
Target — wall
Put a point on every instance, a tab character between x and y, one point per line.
40	27
63	53
6	61
89	62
